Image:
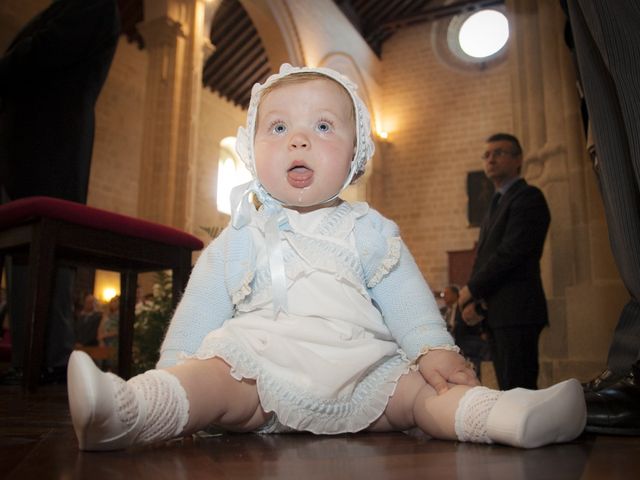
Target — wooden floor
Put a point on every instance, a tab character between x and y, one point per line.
37	442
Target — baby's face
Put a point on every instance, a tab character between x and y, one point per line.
304	142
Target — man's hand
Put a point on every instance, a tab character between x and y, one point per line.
471	316
464	297
440	368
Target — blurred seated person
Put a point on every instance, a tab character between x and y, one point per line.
450	297
87	322
109	323
108	331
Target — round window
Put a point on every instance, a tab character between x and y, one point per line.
479	36
472	40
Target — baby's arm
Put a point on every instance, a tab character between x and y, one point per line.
412	315
204	306
408	307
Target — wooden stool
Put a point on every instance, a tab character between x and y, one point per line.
49	231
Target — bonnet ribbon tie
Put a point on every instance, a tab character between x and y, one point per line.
240	205
241	209
277	219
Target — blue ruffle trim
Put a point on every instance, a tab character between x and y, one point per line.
298	408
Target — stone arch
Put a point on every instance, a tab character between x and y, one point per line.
275	25
347	66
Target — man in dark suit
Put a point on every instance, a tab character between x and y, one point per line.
505	282
606	41
50	78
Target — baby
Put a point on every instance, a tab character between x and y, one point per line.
309	313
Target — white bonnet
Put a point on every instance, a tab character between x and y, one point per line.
364	143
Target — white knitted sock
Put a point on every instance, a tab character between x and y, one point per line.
125	399
159	396
472	413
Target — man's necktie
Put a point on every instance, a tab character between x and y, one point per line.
494	203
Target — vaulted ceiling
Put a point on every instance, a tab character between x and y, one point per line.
240	59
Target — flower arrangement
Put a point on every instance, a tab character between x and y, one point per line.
152	319
153	315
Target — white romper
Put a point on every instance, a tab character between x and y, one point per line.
329	364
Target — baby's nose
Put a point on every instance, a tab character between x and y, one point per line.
298	140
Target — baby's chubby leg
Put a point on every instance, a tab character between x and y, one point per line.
215	397
416	404
109	413
518	417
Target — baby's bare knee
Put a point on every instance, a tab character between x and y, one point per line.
400	411
216	397
242	408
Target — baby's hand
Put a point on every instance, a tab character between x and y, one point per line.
443	367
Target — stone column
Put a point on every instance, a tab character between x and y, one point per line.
582	287
176	42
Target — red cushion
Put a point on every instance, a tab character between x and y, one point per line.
26	209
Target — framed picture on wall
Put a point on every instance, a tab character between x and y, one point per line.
479	193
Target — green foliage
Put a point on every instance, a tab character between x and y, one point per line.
153	317
152	320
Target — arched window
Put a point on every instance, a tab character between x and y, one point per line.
231	172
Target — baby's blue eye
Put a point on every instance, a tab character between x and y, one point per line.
279	128
323	127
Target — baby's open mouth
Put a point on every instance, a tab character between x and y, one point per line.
299	176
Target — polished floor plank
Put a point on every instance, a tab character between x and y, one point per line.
37	441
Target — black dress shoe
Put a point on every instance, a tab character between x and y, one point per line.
603	380
615	409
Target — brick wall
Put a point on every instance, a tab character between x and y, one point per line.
115	168
115	164
437	118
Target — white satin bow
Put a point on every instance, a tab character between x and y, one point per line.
241	209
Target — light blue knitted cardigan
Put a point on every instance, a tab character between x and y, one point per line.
394	283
